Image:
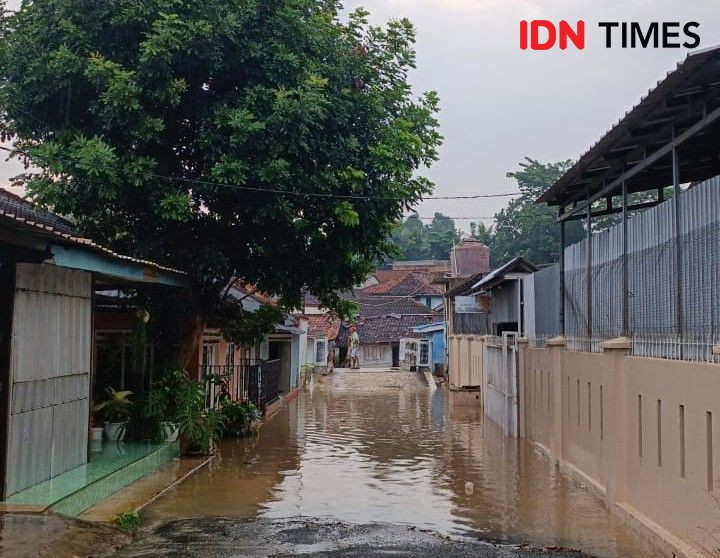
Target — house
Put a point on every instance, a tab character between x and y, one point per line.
49	275
416	285
380	337
258	372
321	331
430	351
428	266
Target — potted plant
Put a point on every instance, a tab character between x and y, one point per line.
115	412
199	427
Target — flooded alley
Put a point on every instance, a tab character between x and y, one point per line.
380	448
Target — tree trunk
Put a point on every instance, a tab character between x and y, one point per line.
190	345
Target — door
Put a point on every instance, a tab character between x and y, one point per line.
396	355
50	360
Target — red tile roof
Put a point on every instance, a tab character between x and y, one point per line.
384	329
322	326
403	283
383	305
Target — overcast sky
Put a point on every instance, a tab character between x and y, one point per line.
500	103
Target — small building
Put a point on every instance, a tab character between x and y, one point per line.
321	331
431	347
415	285
504	286
48	278
380	338
430	266
273	362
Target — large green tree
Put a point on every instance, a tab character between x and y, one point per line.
265	140
524	228
414	240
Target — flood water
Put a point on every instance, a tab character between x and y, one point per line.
381	447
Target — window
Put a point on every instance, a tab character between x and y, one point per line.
208	354
424	356
320	347
230	356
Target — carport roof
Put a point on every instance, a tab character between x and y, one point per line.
682	111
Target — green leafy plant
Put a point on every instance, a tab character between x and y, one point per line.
200	428
241	419
116	408
128	521
200	106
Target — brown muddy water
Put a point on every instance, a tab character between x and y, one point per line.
381	447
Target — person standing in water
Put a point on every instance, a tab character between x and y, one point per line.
331	350
354	346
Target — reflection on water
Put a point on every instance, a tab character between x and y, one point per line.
380	447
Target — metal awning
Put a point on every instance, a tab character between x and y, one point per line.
682	114
497	276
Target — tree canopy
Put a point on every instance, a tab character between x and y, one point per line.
524	228
415	240
267	141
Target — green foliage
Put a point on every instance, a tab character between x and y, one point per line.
240	418
199	428
128	521
145	118
416	241
524	228
159	405
246	328
116	408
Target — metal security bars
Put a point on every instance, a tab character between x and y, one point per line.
254	381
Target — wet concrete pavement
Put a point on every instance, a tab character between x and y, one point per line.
220	538
374	463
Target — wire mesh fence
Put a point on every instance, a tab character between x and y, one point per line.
672	281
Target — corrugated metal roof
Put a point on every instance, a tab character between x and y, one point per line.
693	78
496	276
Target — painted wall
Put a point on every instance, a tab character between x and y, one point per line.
643	432
375	356
438	348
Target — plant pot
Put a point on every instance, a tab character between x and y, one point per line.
170	431
96	434
115	431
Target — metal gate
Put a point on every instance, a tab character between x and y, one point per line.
501	389
49	374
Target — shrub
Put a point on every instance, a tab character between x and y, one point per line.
128	521
239	418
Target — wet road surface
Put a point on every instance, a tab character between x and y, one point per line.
376	463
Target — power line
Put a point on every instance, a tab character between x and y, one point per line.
292	192
454	218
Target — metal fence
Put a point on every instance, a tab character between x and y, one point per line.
672	280
254	381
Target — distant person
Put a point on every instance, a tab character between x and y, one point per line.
354	346
331	351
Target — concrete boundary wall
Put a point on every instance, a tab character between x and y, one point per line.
488	365
642	432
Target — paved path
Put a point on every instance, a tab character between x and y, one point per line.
224	538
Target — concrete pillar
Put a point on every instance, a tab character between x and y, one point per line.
614	434
556	346
522	344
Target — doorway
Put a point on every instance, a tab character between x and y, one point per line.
396	355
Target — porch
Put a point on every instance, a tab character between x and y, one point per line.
112	467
